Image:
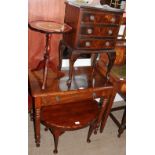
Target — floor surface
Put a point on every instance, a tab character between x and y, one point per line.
74	142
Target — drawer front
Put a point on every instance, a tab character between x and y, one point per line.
96	44
98	31
100	18
68	98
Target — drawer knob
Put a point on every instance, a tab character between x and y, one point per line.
57	98
89	31
107	43
92	17
110	32
113	20
87	43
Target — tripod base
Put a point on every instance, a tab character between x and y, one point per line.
46	64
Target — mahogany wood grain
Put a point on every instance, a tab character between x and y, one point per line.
66	116
37	120
90	31
58	93
101	21
94	30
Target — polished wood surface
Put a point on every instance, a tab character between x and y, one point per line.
65	117
58	93
93	22
49	27
82	82
94	31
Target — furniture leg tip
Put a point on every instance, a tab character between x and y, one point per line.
55	151
88	140
46	129
38	145
119	135
69	83
43	87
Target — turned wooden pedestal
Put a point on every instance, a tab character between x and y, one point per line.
48	28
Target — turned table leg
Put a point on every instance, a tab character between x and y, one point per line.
43	64
107	111
37	121
46	63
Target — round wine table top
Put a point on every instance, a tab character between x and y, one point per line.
49	26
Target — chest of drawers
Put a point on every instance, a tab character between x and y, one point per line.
93	28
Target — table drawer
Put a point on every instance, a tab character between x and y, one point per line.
68	98
98	31
100	18
96	44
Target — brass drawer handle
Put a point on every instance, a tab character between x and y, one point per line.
107	43
57	98
89	31
87	43
113	20
110	32
92	17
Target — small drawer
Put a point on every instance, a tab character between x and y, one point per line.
100	18
71	97
96	44
99	31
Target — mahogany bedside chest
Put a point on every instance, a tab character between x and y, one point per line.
94	30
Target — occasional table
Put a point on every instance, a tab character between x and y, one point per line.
48	28
57	92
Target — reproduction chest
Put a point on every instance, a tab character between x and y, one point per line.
94	31
92	28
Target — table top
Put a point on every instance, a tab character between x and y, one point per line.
81	82
74	115
95	6
49	26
